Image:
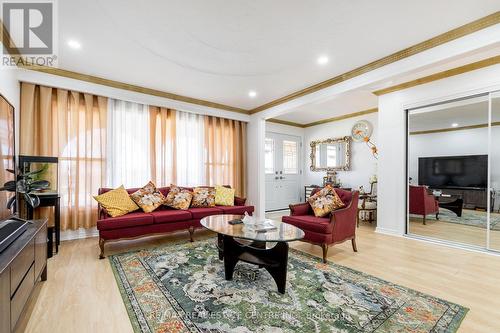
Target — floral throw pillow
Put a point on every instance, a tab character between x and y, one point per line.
178	198
325	201
203	197
148	197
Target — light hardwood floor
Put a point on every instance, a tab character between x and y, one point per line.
81	294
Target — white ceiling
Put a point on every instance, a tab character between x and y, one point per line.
219	50
363	99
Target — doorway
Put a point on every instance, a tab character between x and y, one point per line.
283	170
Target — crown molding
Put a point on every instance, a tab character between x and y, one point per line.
446	37
324	121
453	129
285	122
441	75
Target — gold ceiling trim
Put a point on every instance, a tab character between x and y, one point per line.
324	121
441	75
452	129
446	37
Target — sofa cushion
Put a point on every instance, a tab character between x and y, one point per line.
116	202
199	213
148	197
125	221
178	198
311	223
170	215
237	210
325	201
224	196
203	197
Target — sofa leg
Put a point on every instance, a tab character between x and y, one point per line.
191	233
101	246
324	247
354	247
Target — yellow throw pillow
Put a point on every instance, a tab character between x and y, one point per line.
148	197
203	197
116	202
224	196
325	201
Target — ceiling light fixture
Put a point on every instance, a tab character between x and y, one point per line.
74	44
322	60
252	93
454	125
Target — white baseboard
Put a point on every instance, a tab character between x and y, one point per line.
79	234
389	232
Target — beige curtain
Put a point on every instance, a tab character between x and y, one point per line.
72	126
225	158
163	147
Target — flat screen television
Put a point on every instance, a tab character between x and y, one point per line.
460	172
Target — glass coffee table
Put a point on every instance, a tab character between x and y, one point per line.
268	250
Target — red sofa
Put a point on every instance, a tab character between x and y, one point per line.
422	202
336	228
162	220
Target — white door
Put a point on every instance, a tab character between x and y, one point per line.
283	171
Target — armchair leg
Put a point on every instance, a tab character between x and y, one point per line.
191	233
437	216
325	251
354	247
424	221
357	218
101	246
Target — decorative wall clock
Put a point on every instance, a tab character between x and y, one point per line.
361	131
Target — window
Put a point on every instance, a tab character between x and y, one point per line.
290	157
269	156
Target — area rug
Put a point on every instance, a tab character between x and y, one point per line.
181	288
469	217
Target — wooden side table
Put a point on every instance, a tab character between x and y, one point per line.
50	201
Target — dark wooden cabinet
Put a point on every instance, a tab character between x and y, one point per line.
22	264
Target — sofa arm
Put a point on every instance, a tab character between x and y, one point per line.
300	209
239	201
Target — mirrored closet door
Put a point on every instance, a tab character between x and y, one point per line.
453	159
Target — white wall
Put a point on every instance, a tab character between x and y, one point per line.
10	89
363	164
392	136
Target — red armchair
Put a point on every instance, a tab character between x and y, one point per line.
338	227
423	203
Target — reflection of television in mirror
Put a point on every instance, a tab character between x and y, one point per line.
460	172
10	226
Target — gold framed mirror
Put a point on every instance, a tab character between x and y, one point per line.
331	154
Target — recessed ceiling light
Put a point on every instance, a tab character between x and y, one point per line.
322	60
252	93
454	125
74	44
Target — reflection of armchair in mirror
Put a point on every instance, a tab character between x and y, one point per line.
331	155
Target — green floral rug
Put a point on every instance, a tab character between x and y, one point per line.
181	288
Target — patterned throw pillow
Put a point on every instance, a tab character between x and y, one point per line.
224	196
325	201
177	198
116	202
203	197
148	197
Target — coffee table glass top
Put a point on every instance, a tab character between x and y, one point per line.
220	224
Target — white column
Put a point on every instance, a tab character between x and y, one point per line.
392	184
256	134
